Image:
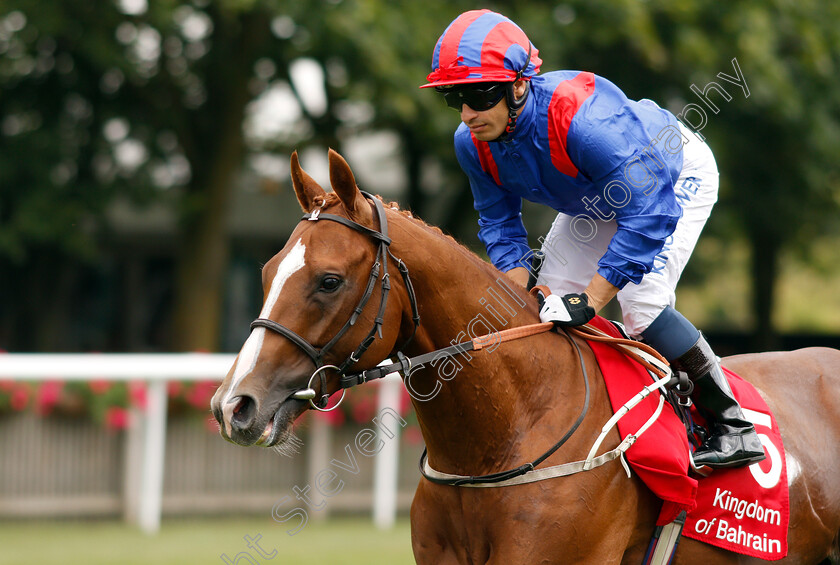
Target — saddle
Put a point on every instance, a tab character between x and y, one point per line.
743	509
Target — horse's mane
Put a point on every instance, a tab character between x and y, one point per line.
331	198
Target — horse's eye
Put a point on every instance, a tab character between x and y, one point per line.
330	283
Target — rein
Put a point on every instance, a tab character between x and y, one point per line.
405	364
455	480
643	354
648	357
663	377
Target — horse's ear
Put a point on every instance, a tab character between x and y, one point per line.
306	189
344	185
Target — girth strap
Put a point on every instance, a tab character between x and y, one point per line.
528	473
531	476
511	474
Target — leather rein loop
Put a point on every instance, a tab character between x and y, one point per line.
405	364
647	357
527	467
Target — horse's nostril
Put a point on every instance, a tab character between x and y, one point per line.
244	413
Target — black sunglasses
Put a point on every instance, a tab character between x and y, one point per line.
479	97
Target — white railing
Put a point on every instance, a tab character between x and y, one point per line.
156	370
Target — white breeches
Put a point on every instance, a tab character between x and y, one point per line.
570	263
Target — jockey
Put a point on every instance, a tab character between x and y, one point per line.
632	185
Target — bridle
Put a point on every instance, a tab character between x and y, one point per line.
380	264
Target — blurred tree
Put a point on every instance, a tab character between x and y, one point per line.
152	101
50	191
119	98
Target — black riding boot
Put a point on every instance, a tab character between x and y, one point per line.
732	440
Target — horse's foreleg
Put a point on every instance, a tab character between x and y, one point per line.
604	555
430	538
435	556
429	547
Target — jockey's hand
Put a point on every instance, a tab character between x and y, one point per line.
568	310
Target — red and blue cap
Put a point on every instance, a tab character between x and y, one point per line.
482	46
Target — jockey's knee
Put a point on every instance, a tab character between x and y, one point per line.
670	333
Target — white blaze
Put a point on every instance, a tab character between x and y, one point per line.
247	359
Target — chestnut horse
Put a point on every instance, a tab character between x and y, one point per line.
497	408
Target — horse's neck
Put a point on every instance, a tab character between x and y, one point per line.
460	292
486	401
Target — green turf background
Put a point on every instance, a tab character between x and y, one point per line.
342	541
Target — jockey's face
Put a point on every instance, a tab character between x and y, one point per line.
489	124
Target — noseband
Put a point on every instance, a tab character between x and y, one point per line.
380	264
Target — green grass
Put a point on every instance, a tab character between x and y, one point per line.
345	541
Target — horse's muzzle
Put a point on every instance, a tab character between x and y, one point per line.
242	422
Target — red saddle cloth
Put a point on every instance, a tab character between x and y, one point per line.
745	509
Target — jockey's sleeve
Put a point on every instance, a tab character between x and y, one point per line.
500	226
637	179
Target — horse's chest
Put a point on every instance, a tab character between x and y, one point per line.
484	526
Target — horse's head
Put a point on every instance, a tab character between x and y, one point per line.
322	307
